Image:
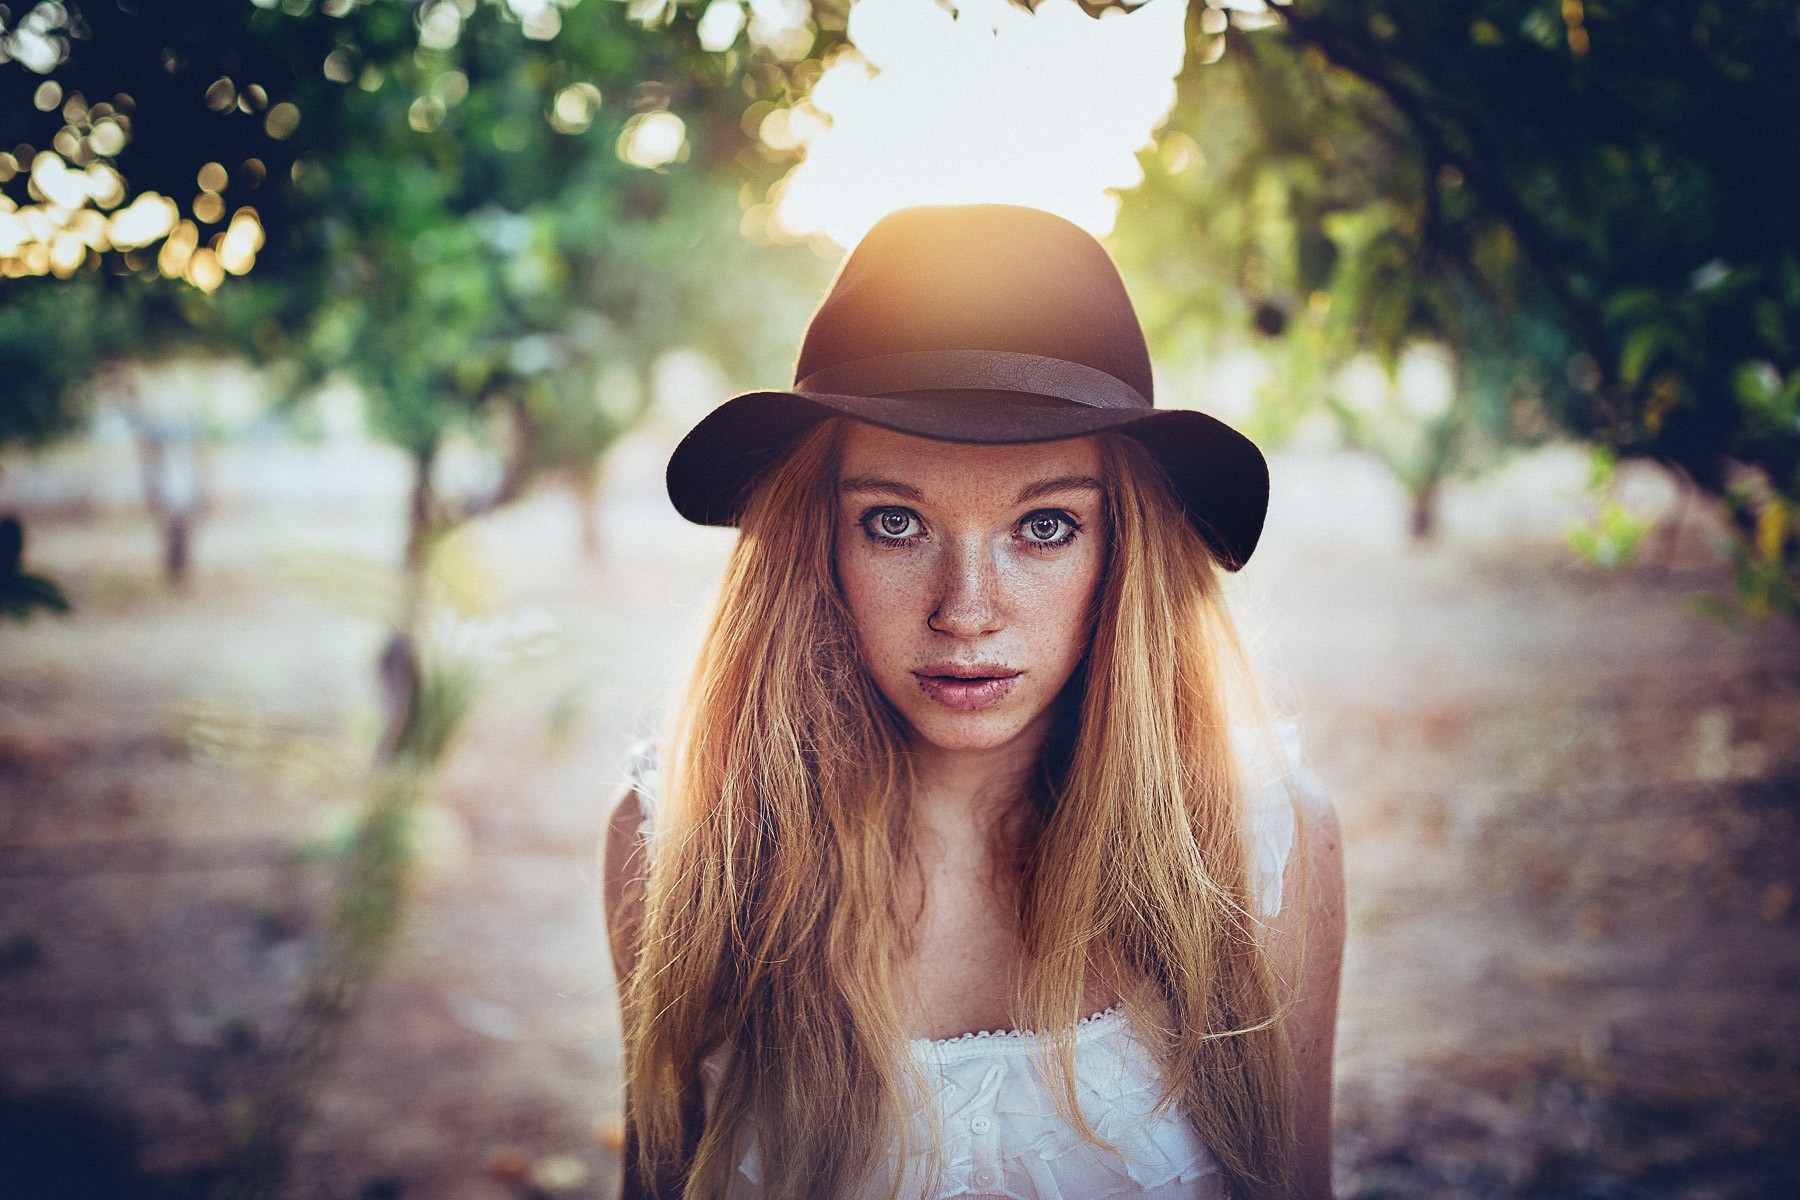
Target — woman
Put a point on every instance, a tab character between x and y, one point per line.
971	749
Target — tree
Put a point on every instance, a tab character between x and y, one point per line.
34	411
469	208
1587	203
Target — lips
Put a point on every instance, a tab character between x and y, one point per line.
966	686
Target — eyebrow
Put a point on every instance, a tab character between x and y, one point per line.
1031	491
871	483
1062	483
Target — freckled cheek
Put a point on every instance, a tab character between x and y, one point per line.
889	602
1051	606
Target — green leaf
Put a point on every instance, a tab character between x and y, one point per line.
1640	349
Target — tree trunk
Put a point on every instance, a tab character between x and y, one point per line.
421	511
170	459
1422	522
176	525
399	673
587	510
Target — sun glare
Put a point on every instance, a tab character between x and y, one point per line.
989	103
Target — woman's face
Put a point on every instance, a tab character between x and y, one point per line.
969	571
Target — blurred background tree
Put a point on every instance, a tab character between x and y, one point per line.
482	215
1587	207
1577	212
469	210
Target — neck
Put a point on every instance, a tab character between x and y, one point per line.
964	801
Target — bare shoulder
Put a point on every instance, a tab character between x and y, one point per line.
624	871
624	829
1312	898
1321	833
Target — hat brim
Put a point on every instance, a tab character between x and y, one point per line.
1218	473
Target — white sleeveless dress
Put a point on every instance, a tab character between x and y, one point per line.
1002	1136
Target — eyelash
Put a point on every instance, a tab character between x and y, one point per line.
1072	531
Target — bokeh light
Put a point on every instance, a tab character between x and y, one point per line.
242	239
282	120
720	25
575	108
653	139
144	220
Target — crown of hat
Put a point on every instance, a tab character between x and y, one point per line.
979	277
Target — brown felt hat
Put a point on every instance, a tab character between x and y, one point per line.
986	323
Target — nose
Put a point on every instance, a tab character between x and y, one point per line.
969	600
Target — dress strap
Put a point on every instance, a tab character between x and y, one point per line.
1269	760
644	776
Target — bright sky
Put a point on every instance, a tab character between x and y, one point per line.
991	104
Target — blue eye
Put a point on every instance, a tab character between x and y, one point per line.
1049	528
894	526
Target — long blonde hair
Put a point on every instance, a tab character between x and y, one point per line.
774	909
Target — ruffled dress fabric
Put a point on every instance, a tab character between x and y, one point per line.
1002	1135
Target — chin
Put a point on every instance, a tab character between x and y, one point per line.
964	735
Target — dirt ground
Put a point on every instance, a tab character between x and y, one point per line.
1569	807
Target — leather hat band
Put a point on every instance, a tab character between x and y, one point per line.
982	370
